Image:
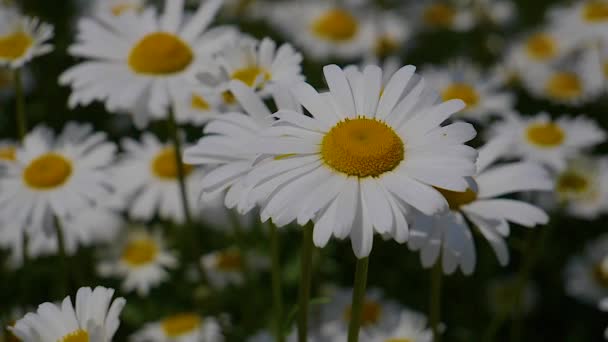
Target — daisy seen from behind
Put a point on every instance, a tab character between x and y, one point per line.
181	327
22	38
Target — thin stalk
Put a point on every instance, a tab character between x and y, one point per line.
64	274
435	300
358	299
181	173
277	296
305	282
20	105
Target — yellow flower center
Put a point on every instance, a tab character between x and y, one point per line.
385	46
462	91
457	199
160	53
8	153
76	336
120	9
229	261
336	25
440	15
545	134
564	86
47	171
250	74
541	46
401	339
164	165
606	69
571	182
181	324
15	45
596	11
370	313
362	147
600	273
198	102
140	252
228	97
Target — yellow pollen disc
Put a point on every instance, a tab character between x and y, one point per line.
8	153
457	199
606	69
120	9
140	252
440	15
47	171
362	148
335	25
250	74
15	45
571	182
198	102
76	336
462	91
370	314
401	339
228	97
600	273
164	165
160	53
541	46
181	324
229	261
545	134
564	86
596	11
385	46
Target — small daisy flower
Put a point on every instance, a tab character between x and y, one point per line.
22	38
481	91
150	57
448	235
94	318
181	327
196	106
226	267
588	18
8	151
55	176
141	260
443	15
550	142
146	176
390	34
411	327
104	8
499	12
586	275
363	155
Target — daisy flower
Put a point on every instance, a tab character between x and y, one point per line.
499	12
150	57
38	245
390	34
448	235
104	8
141	260
411	327
181	327
549	141
55	176
225	146
481	91
435	15
362	156
94	318
8	151
589	19
197	106
22	38
226	267
586	275
146	176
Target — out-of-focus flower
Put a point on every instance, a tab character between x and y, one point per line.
390	34
181	327
603	305
443	15
227	267
586	275
588	19
197	106
22	38
105	8
411	326
8	151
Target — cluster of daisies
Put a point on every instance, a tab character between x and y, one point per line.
380	149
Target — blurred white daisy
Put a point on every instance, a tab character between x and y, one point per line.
196	106
411	326
587	18
8	151
448	235
141	260
498	12
22	38
38	245
481	91
603	305
440	14
95	317
362	156
55	176
142	59
104	8
549	141
146	176
586	275
227	267
390	34
181	327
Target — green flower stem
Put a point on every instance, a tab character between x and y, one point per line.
64	275
20	105
277	296
181	173
305	282
358	299
435	300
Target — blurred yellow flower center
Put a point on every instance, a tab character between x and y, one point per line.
228	97
564	86
250	74
47	171
440	15
541	46
606	69
14	45
336	25
457	199
229	261
461	91
370	314
120	9
362	147
140	252
398	340
164	165
198	102
180	324
571	181
8	153
545	134
600	272
385	46
76	336
596	11
160	53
